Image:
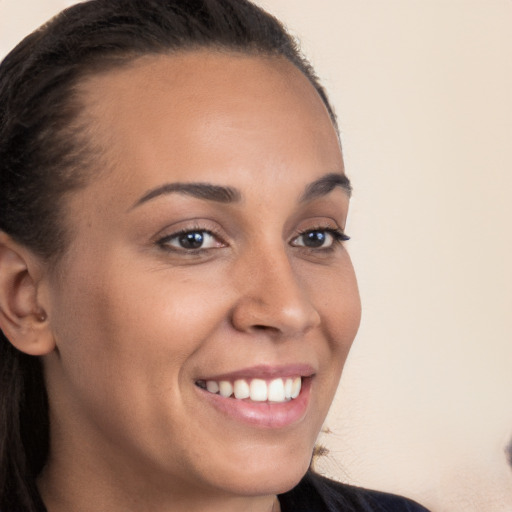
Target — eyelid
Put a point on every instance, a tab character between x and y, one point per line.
319	223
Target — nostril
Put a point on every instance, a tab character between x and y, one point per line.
262	327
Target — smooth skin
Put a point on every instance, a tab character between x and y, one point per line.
133	316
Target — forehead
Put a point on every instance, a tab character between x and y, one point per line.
208	75
205	110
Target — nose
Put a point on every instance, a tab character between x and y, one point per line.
273	298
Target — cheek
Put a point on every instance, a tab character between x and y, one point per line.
336	297
335	294
140	322
126	341
345	307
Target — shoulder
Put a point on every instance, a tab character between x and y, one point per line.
318	494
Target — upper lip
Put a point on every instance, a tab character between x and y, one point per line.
266	372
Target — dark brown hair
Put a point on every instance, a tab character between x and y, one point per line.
44	154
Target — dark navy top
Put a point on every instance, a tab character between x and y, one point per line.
315	493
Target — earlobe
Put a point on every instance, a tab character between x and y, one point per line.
22	319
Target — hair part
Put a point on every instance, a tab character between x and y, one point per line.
46	153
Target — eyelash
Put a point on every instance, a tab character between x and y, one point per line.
338	237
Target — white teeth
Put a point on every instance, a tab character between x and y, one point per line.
297	384
288	388
241	389
225	388
259	390
276	391
212	386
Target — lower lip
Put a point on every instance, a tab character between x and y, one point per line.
263	414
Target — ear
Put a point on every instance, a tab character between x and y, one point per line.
22	319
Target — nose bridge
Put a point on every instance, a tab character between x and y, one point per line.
273	296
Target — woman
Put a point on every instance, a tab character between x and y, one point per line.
176	298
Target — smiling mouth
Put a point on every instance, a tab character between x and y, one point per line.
278	390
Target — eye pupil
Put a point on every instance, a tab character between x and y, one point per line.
192	240
314	239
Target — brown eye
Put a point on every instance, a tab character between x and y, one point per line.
193	240
319	238
315	238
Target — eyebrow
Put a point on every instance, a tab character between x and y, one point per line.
325	185
222	194
206	191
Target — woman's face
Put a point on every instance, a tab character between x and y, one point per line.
205	254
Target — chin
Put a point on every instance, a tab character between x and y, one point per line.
274	473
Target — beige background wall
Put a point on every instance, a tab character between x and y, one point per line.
423	89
